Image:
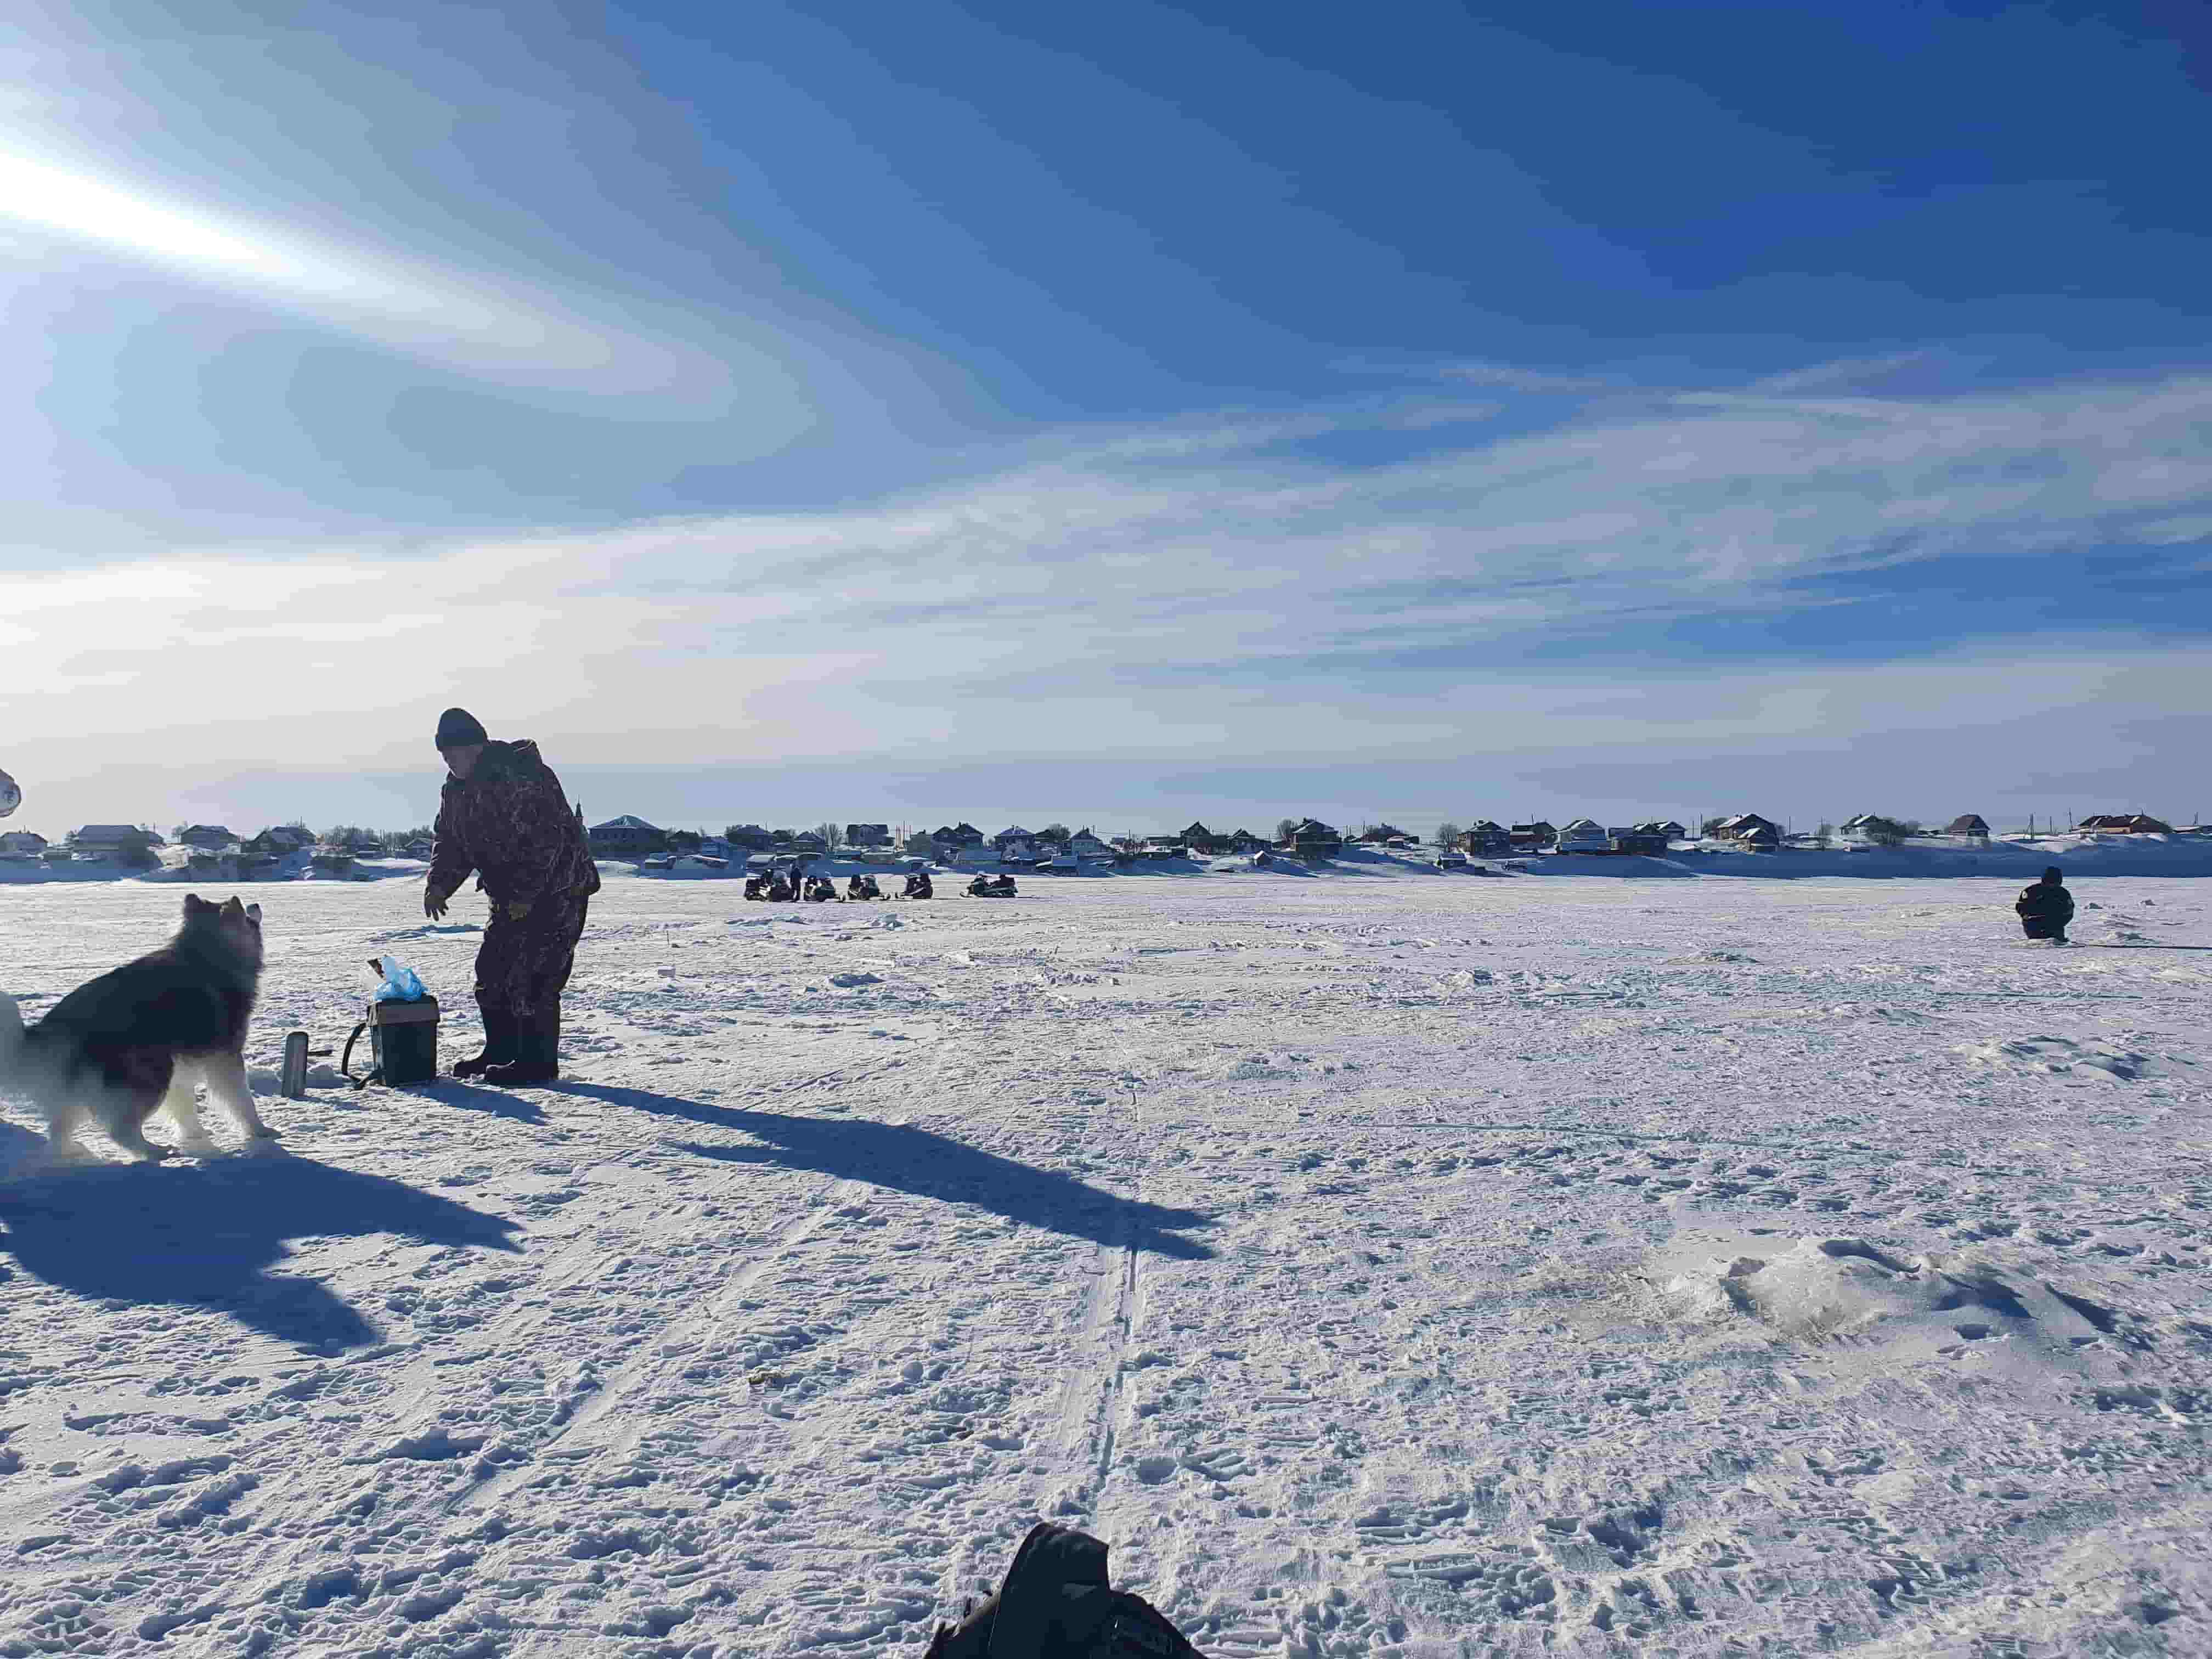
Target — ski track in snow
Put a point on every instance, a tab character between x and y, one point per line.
1383	1266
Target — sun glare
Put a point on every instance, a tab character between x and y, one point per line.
487	326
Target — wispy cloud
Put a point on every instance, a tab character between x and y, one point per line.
1220	589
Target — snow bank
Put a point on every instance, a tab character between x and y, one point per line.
2019	859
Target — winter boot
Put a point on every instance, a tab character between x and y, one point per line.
502	1030
1056	1604
537	1055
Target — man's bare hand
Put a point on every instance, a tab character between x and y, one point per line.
433	903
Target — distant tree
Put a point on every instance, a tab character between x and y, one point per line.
1712	826
1283	826
832	837
177	831
1054	832
1825	835
1448	834
1884	832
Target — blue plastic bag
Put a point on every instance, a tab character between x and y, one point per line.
400	984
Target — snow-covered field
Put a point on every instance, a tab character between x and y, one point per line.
1384	1264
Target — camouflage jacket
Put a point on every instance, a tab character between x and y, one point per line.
509	823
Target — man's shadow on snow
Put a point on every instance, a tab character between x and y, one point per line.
208	1234
2102	944
499	1103
928	1165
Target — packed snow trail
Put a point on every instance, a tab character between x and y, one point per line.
1381	1265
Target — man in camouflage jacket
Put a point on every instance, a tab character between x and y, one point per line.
502	815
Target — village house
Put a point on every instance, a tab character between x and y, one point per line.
1244	840
1312	839
1197	838
808	843
2124	823
1972	825
1582	835
1379	834
1748	827
206	837
1666	828
1871	830
1085	845
123	842
280	839
1484	838
627	836
867	834
750	836
1644	840
21	844
1532	837
685	841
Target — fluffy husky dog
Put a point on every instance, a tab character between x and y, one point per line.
120	1048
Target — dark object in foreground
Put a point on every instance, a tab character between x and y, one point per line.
2045	908
1055	1603
403	1045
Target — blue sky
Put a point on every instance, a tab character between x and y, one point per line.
1022	412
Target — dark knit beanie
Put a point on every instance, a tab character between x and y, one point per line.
457	728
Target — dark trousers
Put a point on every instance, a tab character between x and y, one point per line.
523	966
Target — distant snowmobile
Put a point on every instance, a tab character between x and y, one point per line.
11	797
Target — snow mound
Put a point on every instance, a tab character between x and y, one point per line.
2059	1055
1849	1289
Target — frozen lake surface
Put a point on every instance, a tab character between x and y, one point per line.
1383	1265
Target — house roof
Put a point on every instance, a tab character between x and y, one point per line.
1967	824
111	832
628	820
1584	823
